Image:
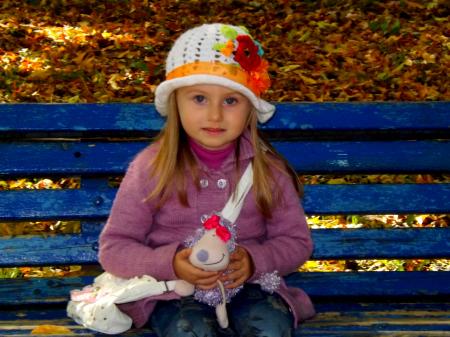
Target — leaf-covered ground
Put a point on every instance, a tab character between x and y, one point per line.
104	51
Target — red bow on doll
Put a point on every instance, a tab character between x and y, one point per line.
213	222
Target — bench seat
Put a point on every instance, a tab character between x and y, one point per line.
343	319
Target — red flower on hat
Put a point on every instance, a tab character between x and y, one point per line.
248	57
247	53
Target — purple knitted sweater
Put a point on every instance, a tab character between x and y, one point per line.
138	239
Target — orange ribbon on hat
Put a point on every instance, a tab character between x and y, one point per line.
257	81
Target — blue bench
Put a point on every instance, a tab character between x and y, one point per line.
96	141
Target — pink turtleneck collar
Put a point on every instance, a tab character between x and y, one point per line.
211	158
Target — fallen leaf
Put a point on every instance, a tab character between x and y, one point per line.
51	330
289	67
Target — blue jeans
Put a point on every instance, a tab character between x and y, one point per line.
252	313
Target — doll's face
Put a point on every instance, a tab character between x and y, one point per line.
210	252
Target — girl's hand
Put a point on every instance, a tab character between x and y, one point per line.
184	270
240	268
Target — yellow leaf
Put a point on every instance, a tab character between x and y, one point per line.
40	74
336	181
414	5
88	64
123	54
290	67
112	81
79	58
74	99
18	184
140	99
307	80
50	330
106	35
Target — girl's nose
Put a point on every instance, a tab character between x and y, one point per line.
215	113
202	255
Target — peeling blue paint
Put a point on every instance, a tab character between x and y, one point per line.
306	126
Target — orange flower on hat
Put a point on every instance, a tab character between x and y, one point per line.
260	83
259	78
228	49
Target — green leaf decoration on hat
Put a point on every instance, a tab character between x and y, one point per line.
229	32
218	46
245	30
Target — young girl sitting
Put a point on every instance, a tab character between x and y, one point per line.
215	75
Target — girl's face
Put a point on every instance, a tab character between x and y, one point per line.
212	115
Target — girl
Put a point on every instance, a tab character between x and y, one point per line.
215	75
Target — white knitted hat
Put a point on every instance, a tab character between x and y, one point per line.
217	54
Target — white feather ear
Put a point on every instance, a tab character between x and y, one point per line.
221	309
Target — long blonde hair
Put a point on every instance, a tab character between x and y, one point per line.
174	158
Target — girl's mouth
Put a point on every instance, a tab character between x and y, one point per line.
214	130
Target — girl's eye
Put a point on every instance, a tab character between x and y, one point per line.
199	98
230	101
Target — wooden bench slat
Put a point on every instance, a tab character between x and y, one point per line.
79	118
88	158
359	319
380	323
313	116
376	330
91	203
56	204
378	318
428	306
334	157
40	290
328	244
67	158
20	323
381	243
76	330
361	116
377	199
367	284
320	285
55	250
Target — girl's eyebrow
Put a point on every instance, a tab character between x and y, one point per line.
195	91
234	93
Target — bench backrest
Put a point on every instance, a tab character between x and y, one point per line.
97	141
